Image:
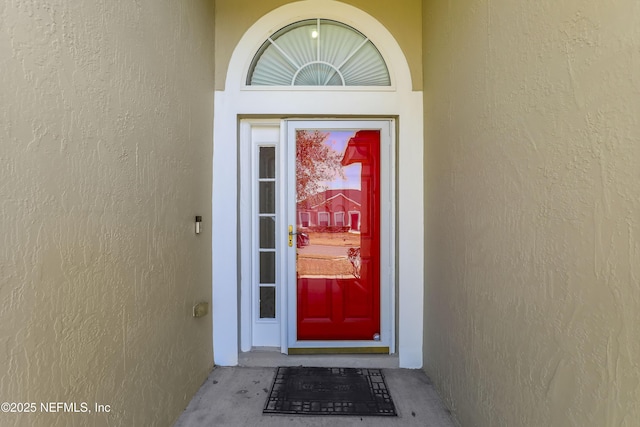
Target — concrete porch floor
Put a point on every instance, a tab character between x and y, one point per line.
235	396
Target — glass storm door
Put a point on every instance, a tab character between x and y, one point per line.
334	231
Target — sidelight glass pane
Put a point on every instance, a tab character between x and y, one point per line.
267	232
267	162
267	302
267	197
267	267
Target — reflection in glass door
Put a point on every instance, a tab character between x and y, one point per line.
337	197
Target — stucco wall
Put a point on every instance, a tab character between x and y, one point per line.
106	150
532	298
402	19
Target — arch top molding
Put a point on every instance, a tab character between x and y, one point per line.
243	52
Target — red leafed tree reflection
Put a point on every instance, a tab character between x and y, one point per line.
316	163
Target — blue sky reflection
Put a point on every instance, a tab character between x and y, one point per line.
337	140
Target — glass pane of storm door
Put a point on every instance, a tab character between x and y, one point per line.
338	234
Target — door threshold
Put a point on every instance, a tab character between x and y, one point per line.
338	350
271	357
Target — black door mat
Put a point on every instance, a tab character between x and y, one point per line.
329	391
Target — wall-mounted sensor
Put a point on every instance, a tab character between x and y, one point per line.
198	221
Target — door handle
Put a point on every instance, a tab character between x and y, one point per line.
291	234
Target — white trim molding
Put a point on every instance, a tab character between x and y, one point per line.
398	101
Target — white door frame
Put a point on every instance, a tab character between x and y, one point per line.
238	100
387	233
256	332
282	331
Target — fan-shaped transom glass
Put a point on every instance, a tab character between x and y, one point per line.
318	52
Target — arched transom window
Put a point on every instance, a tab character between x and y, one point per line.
318	52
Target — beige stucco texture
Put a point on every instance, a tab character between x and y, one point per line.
532	154
532	124
105	159
402	19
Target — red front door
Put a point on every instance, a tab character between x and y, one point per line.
338	263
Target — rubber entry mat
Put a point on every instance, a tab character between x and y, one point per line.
329	391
